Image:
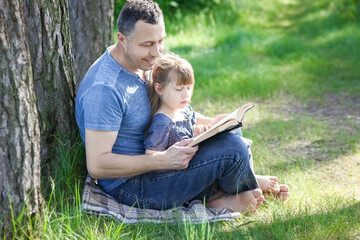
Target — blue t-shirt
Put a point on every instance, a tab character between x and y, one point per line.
163	132
110	98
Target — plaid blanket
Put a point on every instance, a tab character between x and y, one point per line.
96	201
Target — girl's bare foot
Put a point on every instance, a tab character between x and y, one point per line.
244	201
268	184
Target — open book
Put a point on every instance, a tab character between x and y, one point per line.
231	122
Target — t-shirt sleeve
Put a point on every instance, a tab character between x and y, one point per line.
103	108
158	136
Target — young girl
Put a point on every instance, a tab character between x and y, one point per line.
172	119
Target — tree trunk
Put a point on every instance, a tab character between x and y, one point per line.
37	88
48	35
91	32
19	128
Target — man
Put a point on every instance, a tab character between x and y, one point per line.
112	110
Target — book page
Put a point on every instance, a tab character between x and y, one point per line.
242	110
231	116
233	120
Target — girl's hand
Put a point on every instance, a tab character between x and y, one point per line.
199	129
218	118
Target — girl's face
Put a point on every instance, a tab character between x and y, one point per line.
174	97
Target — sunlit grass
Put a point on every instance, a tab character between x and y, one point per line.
289	58
313	54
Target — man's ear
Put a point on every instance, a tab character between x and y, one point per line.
121	38
158	88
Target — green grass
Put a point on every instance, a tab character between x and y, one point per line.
302	49
298	61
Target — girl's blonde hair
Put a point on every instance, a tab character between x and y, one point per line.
167	67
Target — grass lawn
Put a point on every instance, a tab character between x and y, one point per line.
299	63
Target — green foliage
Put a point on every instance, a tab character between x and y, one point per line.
186	7
178	8
118	4
349	9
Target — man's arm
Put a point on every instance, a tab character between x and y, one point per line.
102	163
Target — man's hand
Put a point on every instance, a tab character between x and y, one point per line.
179	155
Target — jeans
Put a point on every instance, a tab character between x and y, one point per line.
222	160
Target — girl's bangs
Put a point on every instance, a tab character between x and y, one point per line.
184	78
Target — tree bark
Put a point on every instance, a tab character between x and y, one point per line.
48	32
91	32
37	88
19	128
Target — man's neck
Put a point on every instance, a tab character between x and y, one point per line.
118	54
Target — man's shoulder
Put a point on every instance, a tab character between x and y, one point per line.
104	72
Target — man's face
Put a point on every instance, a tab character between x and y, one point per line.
144	45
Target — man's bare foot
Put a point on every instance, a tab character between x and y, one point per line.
284	192
248	201
268	184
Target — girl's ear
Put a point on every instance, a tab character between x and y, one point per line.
158	88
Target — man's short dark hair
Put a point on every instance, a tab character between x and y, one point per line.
136	10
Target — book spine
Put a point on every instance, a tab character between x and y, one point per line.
234	127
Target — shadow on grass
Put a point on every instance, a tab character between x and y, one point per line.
341	223
301	142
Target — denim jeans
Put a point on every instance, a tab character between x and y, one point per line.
222	160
